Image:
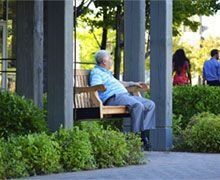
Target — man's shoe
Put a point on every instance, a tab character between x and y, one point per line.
146	146
144	138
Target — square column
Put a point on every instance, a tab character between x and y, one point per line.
134	38
161	72
60	63
29	50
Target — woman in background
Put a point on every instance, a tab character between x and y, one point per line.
181	68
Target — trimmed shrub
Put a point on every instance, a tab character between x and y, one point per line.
42	153
35	154
178	137
15	164
2	155
203	133
135	155
68	150
76	152
191	100
177	124
19	116
109	146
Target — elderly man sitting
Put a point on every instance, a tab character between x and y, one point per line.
142	110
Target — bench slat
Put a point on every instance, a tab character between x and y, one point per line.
115	110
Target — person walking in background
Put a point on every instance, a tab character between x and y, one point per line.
211	69
181	68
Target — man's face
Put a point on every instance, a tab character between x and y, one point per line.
107	61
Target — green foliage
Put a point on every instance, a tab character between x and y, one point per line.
76	149
109	147
19	116
114	124
41	153
178	137
15	164
86	148
112	148
89	42
135	155
183	11
203	133
104	8
177	124
190	100
2	155
38	153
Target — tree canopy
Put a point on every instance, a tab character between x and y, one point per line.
183	10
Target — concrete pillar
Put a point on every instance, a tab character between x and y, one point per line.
45	59
161	72
30	50
134	39
134	54
60	64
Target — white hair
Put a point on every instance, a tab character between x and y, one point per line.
100	55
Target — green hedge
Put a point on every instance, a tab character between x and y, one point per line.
113	148
191	100
202	134
19	116
89	147
2	155
30	155
76	149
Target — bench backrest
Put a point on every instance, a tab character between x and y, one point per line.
82	78
83	100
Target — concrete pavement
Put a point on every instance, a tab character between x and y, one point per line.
160	165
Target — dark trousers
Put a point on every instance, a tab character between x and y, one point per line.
213	83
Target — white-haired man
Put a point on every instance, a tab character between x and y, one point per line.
142	110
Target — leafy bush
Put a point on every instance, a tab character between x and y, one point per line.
203	133
76	152
19	116
39	153
15	164
86	148
191	100
109	146
2	155
176	125
178	136
135	155
115	124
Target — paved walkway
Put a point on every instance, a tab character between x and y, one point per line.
161	165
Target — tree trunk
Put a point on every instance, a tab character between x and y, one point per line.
104	31
117	64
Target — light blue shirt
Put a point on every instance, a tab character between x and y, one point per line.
100	75
211	70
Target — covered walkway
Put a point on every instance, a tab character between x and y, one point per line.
161	165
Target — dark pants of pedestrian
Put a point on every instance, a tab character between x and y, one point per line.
213	83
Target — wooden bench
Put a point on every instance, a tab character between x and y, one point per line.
88	104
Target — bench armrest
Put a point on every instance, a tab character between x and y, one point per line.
99	87
133	89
